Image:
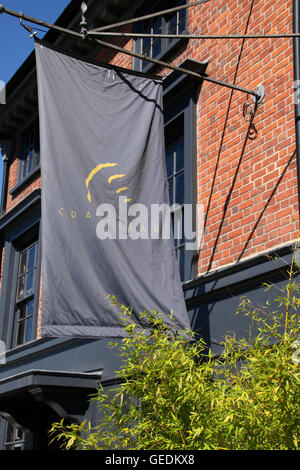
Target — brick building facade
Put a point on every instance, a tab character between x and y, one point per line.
242	169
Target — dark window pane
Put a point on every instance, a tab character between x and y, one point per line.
22	312
146	27
157	29
36	159
170	31
180	258
20	290
147	46
171	191
156	47
171	24
29	323
29	167
145	63
9	433
20	332
180	188
181	25
30	306
36	143
19	434
24	172
172	220
170	161
181	265
23	262
31	258
180	155
157	25
146	42
29	283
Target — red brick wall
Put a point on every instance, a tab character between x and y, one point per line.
248	188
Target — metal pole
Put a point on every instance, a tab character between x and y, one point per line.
152	15
39	22
93	34
178	69
133	54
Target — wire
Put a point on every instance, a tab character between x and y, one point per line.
41	30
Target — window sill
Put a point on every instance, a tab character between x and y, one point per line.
25	182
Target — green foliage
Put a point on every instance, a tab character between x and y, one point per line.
173	394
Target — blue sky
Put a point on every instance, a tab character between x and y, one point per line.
15	43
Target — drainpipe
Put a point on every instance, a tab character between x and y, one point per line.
296	43
5	159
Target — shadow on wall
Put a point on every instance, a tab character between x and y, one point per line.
248	136
251	134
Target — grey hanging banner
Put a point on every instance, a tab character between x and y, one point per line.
103	174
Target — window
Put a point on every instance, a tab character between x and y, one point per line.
15	438
24	323
21	272
173	23
29	151
180	118
175	174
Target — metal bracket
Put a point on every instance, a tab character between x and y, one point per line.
250	107
259	95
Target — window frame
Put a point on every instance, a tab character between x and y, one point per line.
180	103
173	135
31	127
32	239
15	444
24	223
17	247
166	50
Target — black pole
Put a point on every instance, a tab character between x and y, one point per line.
96	34
39	22
131	53
296	44
179	69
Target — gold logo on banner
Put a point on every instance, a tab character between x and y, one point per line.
112	178
74	214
